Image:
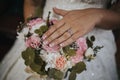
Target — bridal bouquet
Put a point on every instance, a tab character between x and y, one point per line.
54	62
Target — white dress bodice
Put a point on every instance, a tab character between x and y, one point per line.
102	68
74	4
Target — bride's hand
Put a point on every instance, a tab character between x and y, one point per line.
74	24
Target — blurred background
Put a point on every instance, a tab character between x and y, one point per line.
11	13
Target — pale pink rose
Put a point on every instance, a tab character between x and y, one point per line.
34	22
33	42
82	46
78	57
60	63
51	49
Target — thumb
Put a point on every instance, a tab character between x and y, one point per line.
60	11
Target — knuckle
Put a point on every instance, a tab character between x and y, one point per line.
54	35
70	40
62	39
73	38
59	32
57	41
66	35
48	39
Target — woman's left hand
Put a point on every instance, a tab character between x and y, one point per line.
74	24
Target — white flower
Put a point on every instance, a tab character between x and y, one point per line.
49	58
68	64
89	52
25	30
22	34
49	65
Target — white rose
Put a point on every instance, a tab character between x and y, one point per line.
25	30
49	58
89	52
22	34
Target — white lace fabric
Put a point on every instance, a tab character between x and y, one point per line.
102	68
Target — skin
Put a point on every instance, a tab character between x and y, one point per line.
77	23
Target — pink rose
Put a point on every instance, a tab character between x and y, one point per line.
60	62
33	42
78	57
82	46
51	49
34	22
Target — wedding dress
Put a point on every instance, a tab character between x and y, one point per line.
103	67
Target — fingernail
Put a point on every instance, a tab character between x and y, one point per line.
51	45
45	42
44	37
61	44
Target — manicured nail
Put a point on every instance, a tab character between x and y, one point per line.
45	42
51	45
44	37
61	44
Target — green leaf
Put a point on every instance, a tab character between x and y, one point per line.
92	38
38	68
44	28
68	51
97	48
28	62
42	71
33	60
38	60
37	31
28	55
56	74
79	67
35	67
41	30
72	75
89	43
38	51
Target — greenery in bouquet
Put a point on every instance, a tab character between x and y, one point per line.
54	62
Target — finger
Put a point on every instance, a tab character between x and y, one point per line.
57	33
73	38
60	11
52	29
61	39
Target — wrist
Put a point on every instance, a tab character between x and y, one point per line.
100	15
